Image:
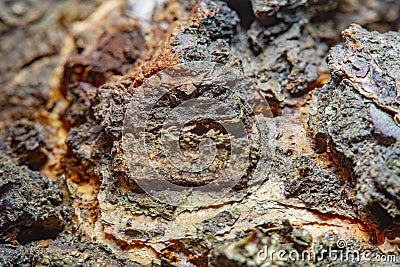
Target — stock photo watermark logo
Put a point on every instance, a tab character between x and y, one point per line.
195	122
343	252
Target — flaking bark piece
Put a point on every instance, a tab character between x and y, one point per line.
28	142
30	204
69	249
115	53
353	118
289	11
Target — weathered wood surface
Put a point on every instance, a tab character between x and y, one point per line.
318	161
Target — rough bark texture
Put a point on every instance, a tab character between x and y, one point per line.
364	93
317	143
